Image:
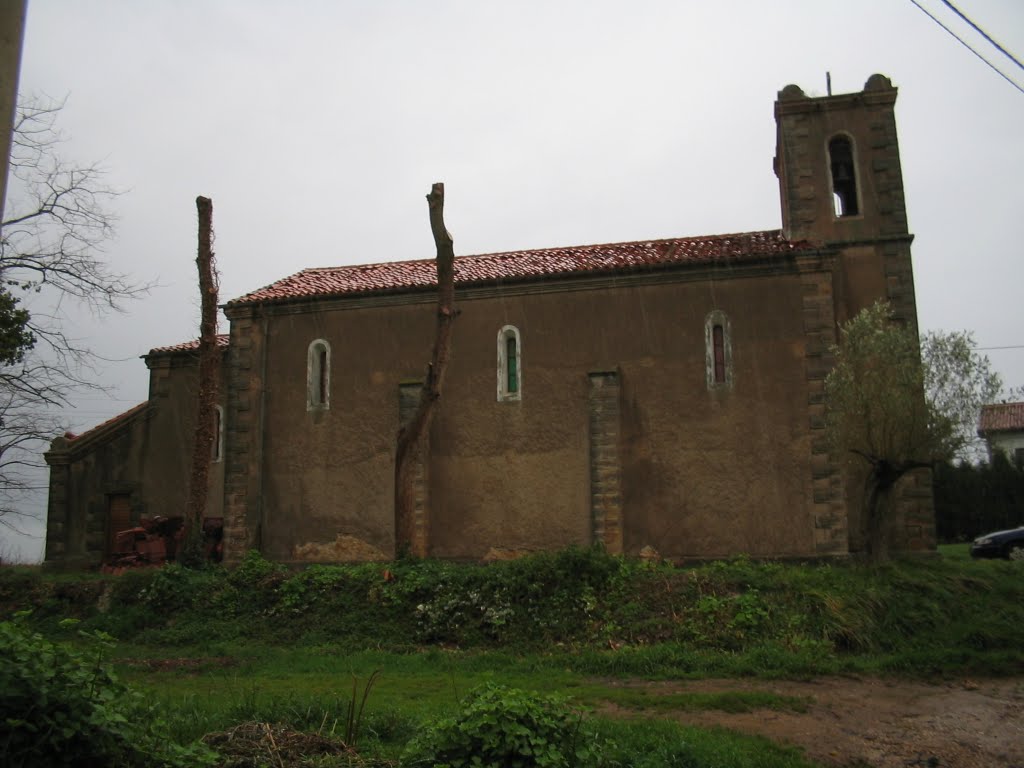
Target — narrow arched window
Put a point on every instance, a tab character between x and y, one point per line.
718	340
318	376
844	176
718	350
217	451
510	369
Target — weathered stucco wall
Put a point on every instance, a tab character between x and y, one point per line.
1009	443
702	473
144	455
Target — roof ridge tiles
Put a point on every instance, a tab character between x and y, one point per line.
584	246
522	265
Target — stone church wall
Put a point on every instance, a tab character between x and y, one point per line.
689	471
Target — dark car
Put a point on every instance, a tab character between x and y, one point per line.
1008	544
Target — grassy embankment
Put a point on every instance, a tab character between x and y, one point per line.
216	648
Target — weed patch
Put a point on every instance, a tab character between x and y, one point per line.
61	706
611	615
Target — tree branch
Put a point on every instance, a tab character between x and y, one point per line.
51	243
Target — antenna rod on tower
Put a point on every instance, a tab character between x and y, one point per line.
828	82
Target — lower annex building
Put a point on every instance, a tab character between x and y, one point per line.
664	394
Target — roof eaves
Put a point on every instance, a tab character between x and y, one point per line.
998	418
186	347
107	429
292	293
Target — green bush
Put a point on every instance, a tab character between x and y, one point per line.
501	726
256	571
610	611
62	707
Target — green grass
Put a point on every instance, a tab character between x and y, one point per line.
419	684
311	690
215	648
955	552
660	744
580	610
733	702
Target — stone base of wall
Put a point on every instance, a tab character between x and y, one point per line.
917	513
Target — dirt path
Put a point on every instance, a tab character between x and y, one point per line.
880	723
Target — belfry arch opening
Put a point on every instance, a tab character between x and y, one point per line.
844	177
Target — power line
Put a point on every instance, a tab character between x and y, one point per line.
962	42
983	33
1011	346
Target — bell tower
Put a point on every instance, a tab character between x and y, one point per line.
841	188
841	185
838	163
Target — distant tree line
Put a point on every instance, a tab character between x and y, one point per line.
974	499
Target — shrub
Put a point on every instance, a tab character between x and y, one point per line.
21	587
61	707
508	727
256	571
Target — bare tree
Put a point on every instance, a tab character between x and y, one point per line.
411	435
57	220
55	224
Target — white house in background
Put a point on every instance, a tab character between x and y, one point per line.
1002	427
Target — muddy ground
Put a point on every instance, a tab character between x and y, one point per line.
879	723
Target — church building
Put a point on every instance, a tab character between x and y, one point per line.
656	395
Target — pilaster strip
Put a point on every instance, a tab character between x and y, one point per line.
831	523
605	463
408	402
241	431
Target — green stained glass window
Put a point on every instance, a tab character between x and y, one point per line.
510	362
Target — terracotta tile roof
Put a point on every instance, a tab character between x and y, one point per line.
521	266
1001	417
108	425
187	346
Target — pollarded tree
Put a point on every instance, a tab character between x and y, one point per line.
899	409
411	436
957	382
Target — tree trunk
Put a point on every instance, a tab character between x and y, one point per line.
410	537
878	502
202	447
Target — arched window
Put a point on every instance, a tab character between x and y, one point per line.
844	176
318	376
510	369
217	451
718	350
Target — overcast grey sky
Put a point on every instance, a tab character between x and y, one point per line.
318	127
